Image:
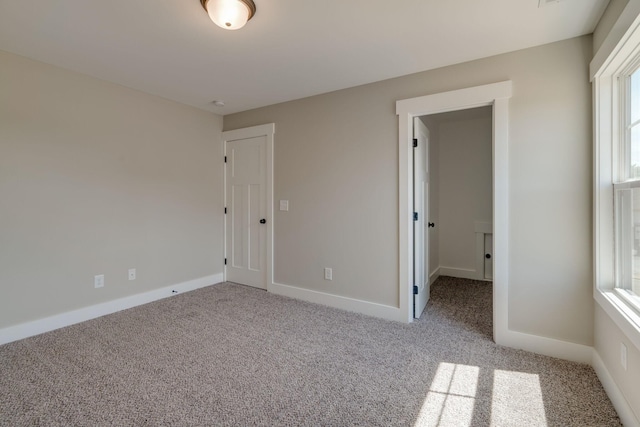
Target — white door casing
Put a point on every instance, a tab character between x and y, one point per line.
249	205
497	95
421	208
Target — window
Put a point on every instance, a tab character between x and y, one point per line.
627	189
616	81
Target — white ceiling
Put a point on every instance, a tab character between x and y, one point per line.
289	50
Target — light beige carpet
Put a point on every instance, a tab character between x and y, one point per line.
233	355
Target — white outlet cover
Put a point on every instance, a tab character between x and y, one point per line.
284	205
132	274
98	281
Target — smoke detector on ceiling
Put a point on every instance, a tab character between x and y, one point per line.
543	3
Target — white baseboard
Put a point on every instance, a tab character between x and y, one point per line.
461	273
36	327
546	346
623	408
336	301
434	275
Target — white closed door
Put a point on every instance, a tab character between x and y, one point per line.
421	217
246	218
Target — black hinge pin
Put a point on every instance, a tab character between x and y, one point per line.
415	216
415	290
415	142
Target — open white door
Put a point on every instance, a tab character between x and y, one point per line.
421	214
247	201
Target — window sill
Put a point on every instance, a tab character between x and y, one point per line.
626	318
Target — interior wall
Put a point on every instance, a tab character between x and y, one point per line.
336	158
95	179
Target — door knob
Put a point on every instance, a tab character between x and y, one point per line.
431	224
487	256
263	221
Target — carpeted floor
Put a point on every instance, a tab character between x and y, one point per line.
233	355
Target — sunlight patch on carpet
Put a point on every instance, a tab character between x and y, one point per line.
517	400
451	397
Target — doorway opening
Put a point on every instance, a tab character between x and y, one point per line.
452	185
497	96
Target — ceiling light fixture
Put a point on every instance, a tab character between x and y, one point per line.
229	14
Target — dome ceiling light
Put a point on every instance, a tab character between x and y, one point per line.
229	14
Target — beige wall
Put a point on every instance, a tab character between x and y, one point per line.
336	160
96	178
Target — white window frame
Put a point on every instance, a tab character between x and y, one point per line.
623	184
610	156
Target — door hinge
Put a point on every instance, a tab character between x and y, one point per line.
225	210
415	216
415	142
225	261
415	290
225	159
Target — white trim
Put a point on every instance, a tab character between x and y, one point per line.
547	346
434	275
621	405
461	99
250	132
497	95
612	43
603	259
267	130
36	327
336	301
462	273
500	220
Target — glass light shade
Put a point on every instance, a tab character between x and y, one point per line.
228	14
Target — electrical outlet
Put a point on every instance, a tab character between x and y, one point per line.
98	281
328	274
132	274
623	356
